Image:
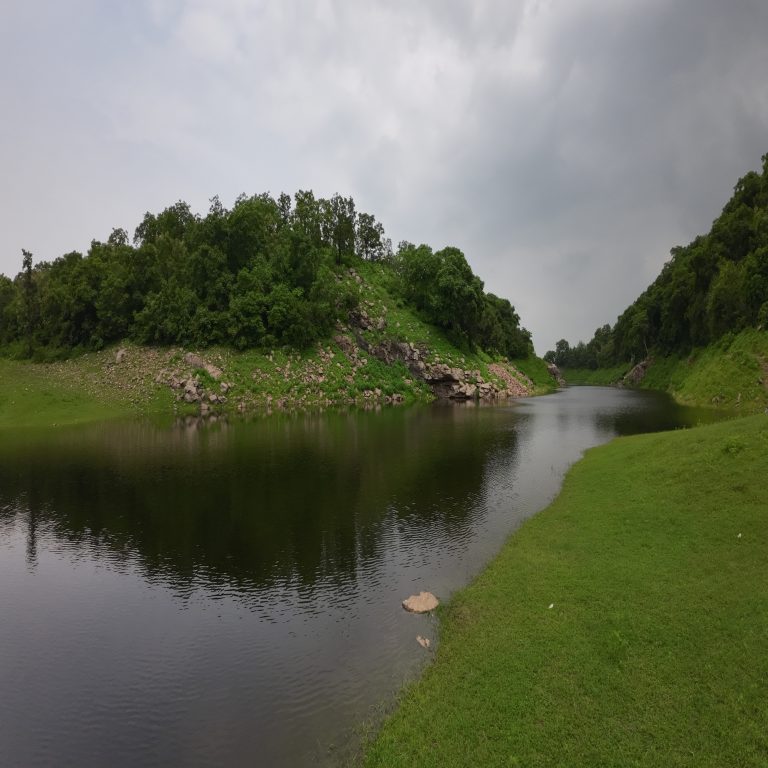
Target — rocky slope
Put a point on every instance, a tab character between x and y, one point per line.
383	354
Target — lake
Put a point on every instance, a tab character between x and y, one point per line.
229	593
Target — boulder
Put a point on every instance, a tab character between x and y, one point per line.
637	374
421	603
345	343
464	391
191	391
194	360
360	318
554	372
442	373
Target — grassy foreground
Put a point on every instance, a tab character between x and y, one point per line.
626	625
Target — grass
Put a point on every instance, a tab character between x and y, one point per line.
86	388
732	373
626	625
31	395
600	377
336	372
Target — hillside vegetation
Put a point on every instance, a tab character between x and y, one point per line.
731	373
269	273
710	301
385	352
275	303
620	626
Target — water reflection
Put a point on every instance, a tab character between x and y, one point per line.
228	593
299	498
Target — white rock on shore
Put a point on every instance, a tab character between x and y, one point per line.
421	603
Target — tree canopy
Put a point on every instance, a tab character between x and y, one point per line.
268	272
717	284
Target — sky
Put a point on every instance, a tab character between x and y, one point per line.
564	145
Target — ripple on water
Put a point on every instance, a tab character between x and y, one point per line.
233	596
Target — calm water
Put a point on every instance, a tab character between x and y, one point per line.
229	594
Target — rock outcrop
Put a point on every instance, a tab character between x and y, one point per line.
555	373
445	381
637	374
190	389
195	361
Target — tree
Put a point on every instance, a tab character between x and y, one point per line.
29	299
562	353
339	224
457	301
371	244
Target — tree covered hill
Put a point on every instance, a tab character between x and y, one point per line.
265	274
715	286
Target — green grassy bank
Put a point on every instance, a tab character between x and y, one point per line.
626	625
599	377
339	371
36	395
732	374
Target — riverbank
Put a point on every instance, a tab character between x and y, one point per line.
731	374
382	353
623	625
132	380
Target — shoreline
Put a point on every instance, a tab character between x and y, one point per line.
129	380
612	625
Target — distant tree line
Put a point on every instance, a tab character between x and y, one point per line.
717	284
269	272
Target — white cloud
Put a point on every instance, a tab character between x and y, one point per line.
564	145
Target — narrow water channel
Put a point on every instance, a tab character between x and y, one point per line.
228	594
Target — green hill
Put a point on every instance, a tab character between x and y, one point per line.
701	325
383	353
286	302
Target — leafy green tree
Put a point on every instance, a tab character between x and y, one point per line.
253	225
8	300
339	226
175	222
726	301
371	243
457	299
29	295
562	353
417	268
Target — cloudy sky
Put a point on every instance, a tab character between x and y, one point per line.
564	145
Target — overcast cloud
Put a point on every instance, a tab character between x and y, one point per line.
565	146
